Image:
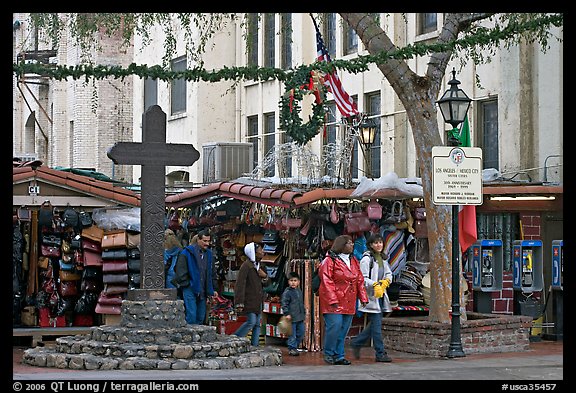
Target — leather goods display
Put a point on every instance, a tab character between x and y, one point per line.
45	214
76	242
70	217
51	240
134	253
92	272
135	280
93	233
374	210
66	275
85	219
66	266
91	245
113	266
90	285
396	214
115	254
43	262
105	298
115	288
134	265
86	303
68	288
114	240
356	222
49	251
115	278
92	258
107	309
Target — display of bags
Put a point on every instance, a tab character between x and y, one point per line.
49	251
356	222
70	217
45	214
52	240
92	258
115	254
113	266
107	309
134	265
85	219
91	245
115	288
105	298
93	233
68	288
67	275
374	210
114	240
114	278
396	214
43	262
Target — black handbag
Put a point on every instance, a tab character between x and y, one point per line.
51	240
115	254
85	219
134	265
134	253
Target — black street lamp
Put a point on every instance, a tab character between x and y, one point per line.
454	105
367	134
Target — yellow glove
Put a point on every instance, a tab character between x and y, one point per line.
385	283
378	290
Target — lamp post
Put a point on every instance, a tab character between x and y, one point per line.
454	105
367	131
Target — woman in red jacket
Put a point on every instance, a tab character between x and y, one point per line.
342	284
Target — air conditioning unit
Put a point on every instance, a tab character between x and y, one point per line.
226	160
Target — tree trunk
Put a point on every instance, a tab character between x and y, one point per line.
418	95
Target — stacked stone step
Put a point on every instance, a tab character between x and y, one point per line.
152	335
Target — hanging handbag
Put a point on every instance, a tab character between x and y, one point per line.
374	210
91	245
115	254
112	289
105	298
68	275
107	309
114	240
92	272
396	214
92	258
356	222
114	278
52	240
420	226
70	217
93	233
85	219
134	253
45	214
90	285
66	266
134	265
43	262
49	251
114	266
68	288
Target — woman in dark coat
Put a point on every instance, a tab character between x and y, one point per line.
342	284
249	292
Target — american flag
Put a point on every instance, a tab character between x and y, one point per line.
344	102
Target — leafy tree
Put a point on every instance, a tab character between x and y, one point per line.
461	36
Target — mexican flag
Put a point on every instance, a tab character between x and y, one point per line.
467	234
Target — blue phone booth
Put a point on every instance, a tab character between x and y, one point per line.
487	272
558	288
527	269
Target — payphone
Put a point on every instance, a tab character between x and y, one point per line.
527	268
487	272
558	288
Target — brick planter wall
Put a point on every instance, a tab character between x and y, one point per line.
481	333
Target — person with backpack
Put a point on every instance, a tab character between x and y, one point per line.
172	248
377	278
341	286
195	274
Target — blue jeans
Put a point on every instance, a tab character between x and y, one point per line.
296	336
252	323
195	306
372	330
336	328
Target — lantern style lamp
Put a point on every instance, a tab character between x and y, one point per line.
454	105
367	135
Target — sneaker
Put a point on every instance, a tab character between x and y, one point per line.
343	361
384	358
356	351
329	359
293	352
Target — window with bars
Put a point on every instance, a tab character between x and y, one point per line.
269	40
269	140
350	39
286	40
501	226
178	88
329	34
252	137
488	133
252	40
373	108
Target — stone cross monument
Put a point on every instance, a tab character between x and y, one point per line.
153	154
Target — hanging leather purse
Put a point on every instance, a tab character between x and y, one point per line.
90	285
45	214
396	214
85	219
356	222
68	288
49	251
115	254
93	233
67	275
107	309
43	262
91	245
114	266
66	266
51	240
112	289
92	258
374	210
114	240
114	278
115	300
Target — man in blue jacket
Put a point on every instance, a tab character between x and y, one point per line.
194	274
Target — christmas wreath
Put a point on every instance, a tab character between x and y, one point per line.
290	120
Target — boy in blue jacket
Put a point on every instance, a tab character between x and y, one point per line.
293	309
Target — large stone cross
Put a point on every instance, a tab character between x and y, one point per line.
153	154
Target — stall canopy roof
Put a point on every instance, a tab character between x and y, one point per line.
273	195
26	172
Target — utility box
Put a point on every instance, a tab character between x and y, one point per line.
527	266
487	265
223	161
